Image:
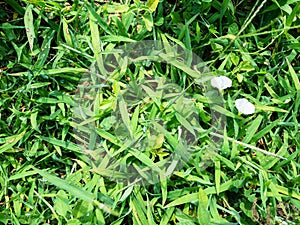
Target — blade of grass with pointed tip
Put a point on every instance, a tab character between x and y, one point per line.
203	213
11	141
96	43
265	130
194	196
39	85
33	121
124	114
166	218
252	129
22	175
67	145
28	21
43	56
225	112
144	159
294	76
66	32
164	189
54	71
99	19
262	107
138	213
217	175
185	123
76	191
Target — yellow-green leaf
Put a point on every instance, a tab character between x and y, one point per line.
152	4
159	141
203	213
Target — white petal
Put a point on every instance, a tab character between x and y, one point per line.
221	82
244	106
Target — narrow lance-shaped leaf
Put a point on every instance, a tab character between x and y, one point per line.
66	32
11	141
294	76
217	175
28	21
203	213
75	190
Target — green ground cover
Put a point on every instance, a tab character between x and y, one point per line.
47	48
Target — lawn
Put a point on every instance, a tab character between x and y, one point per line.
150	112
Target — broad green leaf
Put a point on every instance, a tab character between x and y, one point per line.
192	178
148	21
122	8
19	50
293	14
126	193
61	98
134	119
159	141
78	192
61	203
96	43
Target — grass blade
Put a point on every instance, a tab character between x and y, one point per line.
28	21
252	129
217	175
203	213
67	145
294	76
76	191
11	141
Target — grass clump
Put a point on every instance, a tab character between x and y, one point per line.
48	48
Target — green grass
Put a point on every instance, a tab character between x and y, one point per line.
49	48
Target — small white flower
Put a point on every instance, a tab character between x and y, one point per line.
244	106
221	82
